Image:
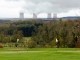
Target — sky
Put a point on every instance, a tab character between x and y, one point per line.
12	8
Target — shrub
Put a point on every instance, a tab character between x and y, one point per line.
1	46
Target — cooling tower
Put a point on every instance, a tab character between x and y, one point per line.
54	15
49	15
34	15
21	15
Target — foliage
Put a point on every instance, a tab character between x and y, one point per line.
1	46
44	34
64	31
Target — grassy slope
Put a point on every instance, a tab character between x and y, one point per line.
46	54
41	56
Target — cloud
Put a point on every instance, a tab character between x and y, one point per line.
49	6
9	12
10	9
61	7
12	0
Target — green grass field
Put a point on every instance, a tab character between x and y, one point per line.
40	54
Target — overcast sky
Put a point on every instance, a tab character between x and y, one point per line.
11	8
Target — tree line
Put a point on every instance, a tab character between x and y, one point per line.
67	32
44	34
13	30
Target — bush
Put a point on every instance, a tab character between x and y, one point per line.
1	46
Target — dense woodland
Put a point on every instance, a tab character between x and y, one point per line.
43	34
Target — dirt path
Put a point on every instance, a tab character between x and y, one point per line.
12	52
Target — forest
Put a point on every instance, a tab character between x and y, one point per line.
43	34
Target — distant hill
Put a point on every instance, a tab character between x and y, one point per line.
71	18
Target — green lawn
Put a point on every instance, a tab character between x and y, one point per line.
38	49
41	54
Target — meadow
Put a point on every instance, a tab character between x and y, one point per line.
40	54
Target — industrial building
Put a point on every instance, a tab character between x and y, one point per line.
34	15
49	17
21	15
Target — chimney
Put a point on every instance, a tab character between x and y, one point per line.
54	15
34	15
49	15
21	15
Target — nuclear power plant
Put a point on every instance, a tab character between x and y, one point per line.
34	16
49	15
